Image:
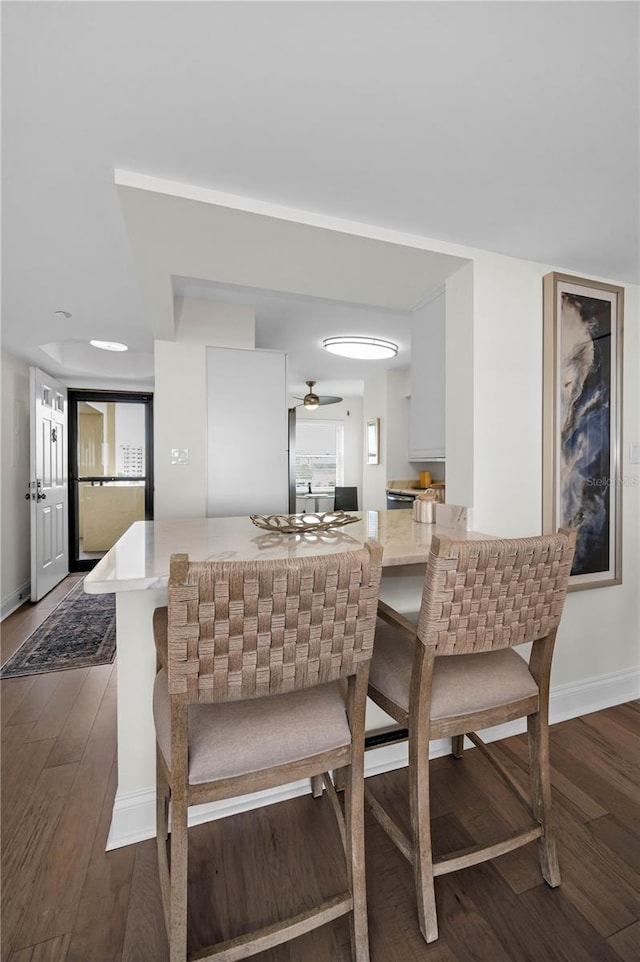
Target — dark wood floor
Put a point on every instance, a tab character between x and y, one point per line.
65	900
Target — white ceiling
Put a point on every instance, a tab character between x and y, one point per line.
511	127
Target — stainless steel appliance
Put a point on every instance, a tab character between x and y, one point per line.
395	500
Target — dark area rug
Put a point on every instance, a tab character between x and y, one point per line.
79	633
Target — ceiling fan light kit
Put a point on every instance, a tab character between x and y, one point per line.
361	348
311	401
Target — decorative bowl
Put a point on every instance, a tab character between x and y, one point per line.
296	523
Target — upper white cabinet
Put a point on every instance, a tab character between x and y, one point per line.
427	405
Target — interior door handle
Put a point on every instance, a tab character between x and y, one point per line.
39	493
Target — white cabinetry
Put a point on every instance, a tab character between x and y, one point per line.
247	437
426	409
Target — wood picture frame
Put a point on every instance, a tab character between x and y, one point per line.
372	438
582	422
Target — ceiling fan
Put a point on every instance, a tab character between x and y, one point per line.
311	400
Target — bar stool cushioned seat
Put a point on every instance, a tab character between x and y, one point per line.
463	685
222	740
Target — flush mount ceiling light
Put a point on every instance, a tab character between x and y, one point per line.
362	348
63	314
109	345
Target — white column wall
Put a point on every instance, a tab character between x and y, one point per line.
459	386
507	396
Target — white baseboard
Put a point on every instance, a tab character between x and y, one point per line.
134	813
572	700
14	600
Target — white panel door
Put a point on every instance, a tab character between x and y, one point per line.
247	433
48	485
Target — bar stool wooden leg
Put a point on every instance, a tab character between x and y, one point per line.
178	907
540	778
317	786
457	745
354	817
421	826
162	831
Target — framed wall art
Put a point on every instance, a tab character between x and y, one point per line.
582	407
373	441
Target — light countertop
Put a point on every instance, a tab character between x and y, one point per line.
140	559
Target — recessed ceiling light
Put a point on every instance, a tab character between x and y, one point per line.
66	314
109	345
362	348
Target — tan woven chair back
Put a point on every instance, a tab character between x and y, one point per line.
483	595
240	630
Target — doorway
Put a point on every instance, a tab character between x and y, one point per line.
110	470
319	463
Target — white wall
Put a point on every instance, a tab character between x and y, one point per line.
180	401
386	397
213	323
507	395
396	438
600	632
14	477
374	476
459	387
351	412
180	421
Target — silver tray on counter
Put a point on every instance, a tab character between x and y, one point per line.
297	523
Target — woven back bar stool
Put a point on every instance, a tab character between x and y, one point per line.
457	673
263	680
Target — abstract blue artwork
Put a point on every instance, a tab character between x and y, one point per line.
583	329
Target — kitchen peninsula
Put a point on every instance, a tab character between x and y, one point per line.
136	569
